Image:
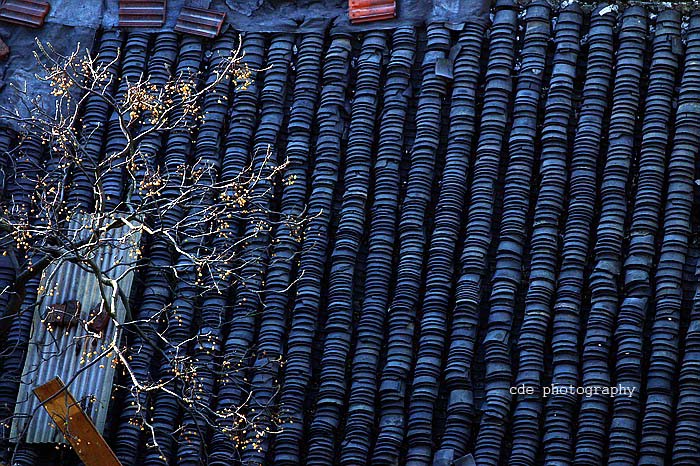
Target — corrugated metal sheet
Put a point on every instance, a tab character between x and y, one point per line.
142	13
72	352
29	13
200	22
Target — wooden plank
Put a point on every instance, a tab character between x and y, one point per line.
75	425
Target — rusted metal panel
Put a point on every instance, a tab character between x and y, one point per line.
200	22
30	13
77	349
63	314
76	426
4	53
142	13
362	11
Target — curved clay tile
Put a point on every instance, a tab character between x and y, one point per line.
214	304
443	242
513	233
497	102
661	382
412	238
181	314
160	63
233	383
81	195
27	162
133	67
582	194
157	286
331	119
338	328
355	447
609	235
7	268
641	252
281	270
544	247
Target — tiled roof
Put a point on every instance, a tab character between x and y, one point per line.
489	206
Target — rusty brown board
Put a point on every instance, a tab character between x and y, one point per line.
75	425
